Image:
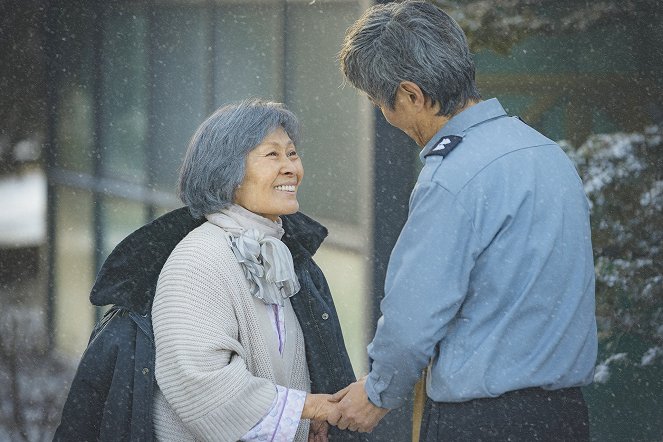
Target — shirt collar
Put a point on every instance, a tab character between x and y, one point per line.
461	122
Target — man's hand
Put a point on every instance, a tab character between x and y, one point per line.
354	410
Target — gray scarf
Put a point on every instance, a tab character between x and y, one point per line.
265	260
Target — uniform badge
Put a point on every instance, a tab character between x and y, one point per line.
445	145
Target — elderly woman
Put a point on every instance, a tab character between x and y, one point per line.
230	359
244	328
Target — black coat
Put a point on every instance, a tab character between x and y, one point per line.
111	395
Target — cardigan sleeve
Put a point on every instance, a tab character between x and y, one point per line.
200	363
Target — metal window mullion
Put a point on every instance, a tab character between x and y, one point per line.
211	28
150	149
284	55
50	154
97	147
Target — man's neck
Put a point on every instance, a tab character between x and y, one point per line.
432	125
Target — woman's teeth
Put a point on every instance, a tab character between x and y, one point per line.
285	188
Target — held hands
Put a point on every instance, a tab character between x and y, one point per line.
316	408
354	411
318	431
347	409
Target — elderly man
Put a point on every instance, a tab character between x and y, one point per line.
491	282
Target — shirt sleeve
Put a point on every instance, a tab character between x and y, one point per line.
281	421
427	280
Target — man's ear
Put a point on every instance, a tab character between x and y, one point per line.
412	93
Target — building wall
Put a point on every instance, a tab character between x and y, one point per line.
133	82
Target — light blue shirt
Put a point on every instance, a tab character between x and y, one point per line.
491	280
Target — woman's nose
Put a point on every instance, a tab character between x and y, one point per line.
288	166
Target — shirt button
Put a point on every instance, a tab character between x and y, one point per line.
146	370
325	316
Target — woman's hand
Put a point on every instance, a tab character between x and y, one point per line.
317	407
318	431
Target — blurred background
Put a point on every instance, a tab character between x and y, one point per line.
98	100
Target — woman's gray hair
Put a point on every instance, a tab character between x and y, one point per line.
410	41
214	164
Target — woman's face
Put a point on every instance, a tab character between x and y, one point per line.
273	174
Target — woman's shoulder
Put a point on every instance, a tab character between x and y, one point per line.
205	230
201	264
205	246
207	237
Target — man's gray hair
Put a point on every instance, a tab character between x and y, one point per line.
214	164
410	41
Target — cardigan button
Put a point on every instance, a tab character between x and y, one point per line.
146	370
325	316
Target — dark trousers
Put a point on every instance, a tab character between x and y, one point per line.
532	414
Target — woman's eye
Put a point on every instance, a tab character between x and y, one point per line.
272	154
292	153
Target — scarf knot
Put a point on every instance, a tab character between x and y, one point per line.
266	262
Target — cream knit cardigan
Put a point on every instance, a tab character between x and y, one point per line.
217	359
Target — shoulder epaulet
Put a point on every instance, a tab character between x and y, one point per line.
445	146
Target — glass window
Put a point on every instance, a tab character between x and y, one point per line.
163	70
180	86
73	69
249	56
75	128
125	94
74	269
120	218
336	139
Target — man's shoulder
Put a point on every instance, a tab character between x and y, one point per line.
499	137
481	147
